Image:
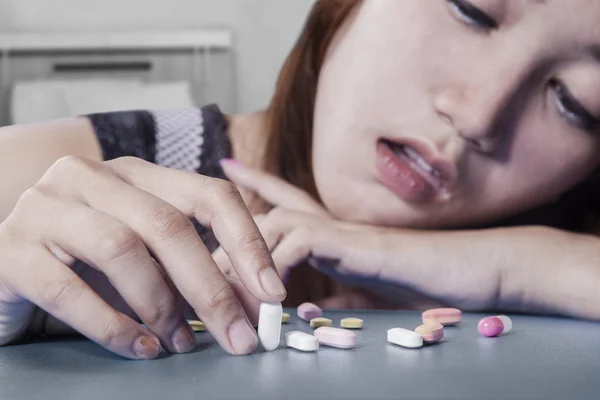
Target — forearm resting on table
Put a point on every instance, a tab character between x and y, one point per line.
27	151
522	269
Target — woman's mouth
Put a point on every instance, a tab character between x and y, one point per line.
412	171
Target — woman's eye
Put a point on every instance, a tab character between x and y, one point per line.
571	110
471	15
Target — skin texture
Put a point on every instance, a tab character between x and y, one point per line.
482	99
144	261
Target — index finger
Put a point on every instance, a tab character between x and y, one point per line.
217	205
272	189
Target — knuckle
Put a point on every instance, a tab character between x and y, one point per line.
164	309
254	242
168	222
34	195
69	163
113	331
225	190
117	243
125	165
68	169
61	293
125	161
221	298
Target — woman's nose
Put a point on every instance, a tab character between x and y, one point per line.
477	112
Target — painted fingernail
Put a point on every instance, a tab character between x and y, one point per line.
230	161
183	340
146	347
243	337
271	283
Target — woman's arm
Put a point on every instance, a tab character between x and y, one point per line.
523	269
27	151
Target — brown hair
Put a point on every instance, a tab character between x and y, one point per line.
288	152
289	145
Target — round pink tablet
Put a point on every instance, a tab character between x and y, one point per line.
335	337
308	311
490	326
444	316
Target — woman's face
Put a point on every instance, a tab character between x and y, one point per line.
448	113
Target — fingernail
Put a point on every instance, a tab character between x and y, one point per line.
271	283
183	340
243	337
230	161
146	347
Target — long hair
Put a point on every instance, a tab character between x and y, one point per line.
291	112
290	115
290	125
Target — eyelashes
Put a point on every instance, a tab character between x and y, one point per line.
471	15
569	108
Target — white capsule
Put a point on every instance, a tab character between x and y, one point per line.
507	322
405	338
301	341
269	325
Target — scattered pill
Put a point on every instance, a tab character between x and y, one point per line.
445	316
285	318
494	326
405	338
351	323
507	322
335	337
320	321
269	325
308	311
490	326
197	326
431	332
301	341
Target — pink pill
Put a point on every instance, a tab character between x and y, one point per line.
335	337
444	316
308	311
490	326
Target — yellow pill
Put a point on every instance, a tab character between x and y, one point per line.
319	322
285	318
351	323
197	326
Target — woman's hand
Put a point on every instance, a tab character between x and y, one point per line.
521	269
306	215
129	220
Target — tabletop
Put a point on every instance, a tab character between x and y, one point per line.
541	358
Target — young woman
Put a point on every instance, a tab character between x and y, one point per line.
415	153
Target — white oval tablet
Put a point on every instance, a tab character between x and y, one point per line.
301	341
269	325
405	338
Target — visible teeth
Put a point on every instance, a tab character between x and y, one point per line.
416	157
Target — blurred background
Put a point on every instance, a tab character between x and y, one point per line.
67	57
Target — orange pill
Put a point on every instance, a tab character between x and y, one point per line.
444	316
431	332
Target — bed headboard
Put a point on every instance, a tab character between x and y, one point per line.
202	57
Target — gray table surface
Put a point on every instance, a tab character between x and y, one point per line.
542	358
